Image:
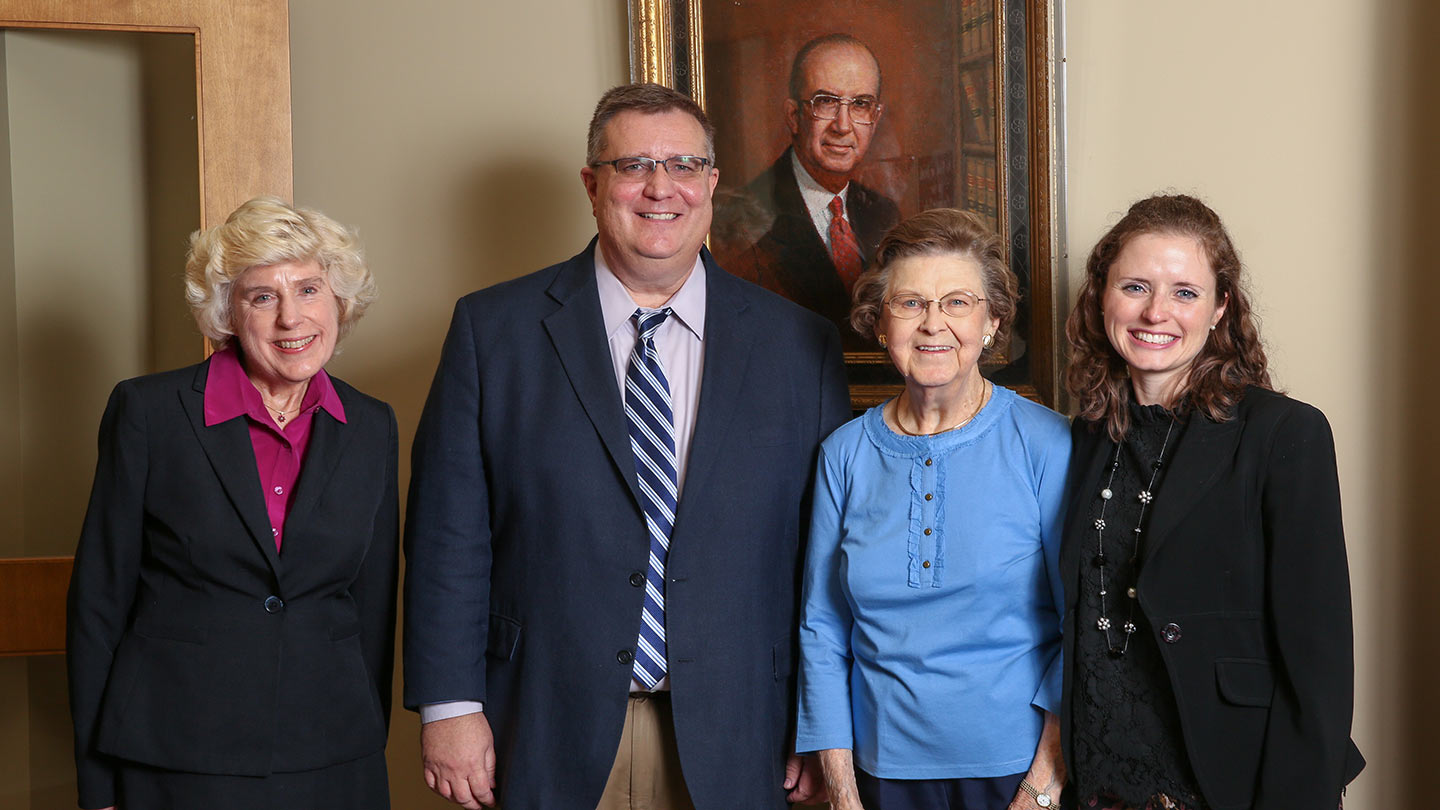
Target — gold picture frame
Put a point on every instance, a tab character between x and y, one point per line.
984	69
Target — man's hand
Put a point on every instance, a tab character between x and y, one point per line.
459	758
803	780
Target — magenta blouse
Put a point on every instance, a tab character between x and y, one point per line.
279	454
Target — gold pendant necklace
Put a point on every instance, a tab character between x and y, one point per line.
986	388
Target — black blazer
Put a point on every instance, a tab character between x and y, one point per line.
1245	587
791	259
526	545
193	645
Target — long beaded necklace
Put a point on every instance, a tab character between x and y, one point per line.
1146	496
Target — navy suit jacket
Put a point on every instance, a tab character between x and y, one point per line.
791	259
1244	563
192	644
525	535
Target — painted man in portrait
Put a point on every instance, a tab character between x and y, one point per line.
804	228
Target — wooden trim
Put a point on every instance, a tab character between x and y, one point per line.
242	68
32	605
1045	370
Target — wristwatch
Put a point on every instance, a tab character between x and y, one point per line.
1042	799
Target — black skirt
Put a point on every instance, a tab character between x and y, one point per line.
360	784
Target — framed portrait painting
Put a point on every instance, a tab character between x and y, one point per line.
837	118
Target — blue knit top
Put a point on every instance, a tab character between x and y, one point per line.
930	626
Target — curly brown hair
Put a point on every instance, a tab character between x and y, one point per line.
1233	356
940	231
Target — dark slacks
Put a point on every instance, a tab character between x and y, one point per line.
981	793
360	784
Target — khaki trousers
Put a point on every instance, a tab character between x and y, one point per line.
646	773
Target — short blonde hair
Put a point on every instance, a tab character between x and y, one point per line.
938	232
266	231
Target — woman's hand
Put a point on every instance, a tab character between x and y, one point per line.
839	770
803	780
1047	770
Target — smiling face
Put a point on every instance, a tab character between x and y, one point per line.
286	320
832	150
936	351
651	228
1159	304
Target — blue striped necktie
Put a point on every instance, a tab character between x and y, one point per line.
652	439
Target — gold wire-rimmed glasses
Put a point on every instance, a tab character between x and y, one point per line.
958	304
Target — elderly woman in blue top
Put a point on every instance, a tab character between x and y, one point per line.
930	634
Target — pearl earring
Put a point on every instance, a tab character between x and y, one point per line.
987	341
881	338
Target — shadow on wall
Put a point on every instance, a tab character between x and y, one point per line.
1413	302
504	203
52	764
72	366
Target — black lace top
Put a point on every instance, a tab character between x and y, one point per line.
1127	742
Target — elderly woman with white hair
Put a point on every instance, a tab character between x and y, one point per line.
232	609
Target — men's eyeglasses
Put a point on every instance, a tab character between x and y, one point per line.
863	109
955	305
681	168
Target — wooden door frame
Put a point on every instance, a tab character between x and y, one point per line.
242	99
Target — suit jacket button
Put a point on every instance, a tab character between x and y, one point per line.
1170	632
273	604
637	579
625	656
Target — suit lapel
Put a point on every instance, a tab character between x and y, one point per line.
577	330
329	441
1204	452
793	225
232	457
869	226
728	343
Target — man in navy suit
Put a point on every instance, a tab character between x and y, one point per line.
608	506
824	225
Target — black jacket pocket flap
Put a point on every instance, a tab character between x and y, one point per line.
1245	681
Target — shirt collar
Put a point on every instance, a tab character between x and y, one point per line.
229	392
617	307
816	196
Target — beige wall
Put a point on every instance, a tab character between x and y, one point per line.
76	157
